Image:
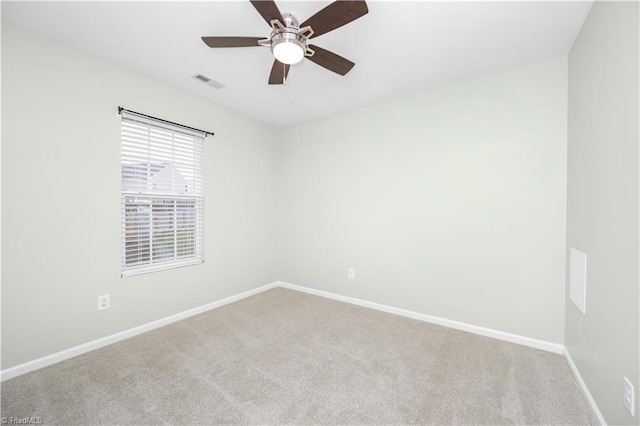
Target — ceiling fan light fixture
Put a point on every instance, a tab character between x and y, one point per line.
287	48
289	40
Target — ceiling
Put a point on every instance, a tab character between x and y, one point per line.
398	47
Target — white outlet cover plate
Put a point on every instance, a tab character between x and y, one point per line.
103	302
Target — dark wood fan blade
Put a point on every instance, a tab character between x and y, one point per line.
231	41
279	72
335	15
268	10
330	60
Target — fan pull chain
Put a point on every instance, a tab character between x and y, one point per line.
284	74
291	85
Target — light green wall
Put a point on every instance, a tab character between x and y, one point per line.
61	200
603	202
450	202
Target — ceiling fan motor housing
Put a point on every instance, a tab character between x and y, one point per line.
290	21
289	40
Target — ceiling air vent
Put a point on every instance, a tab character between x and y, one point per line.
209	81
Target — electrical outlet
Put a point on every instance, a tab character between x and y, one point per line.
629	397
103	302
351	273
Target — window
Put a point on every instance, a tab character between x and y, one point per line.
162	207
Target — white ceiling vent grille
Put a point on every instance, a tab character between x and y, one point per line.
209	81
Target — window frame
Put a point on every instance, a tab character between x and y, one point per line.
162	195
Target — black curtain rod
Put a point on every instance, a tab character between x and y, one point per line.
120	109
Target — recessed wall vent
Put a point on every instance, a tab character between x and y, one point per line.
209	81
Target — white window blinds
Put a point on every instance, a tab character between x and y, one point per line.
162	205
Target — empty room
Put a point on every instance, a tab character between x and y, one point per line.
320	212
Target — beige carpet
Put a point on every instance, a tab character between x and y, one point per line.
285	357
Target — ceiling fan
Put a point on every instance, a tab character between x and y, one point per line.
288	40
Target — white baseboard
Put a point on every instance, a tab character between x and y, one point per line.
48	360
583	386
500	335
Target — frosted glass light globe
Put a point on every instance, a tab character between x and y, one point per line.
288	51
